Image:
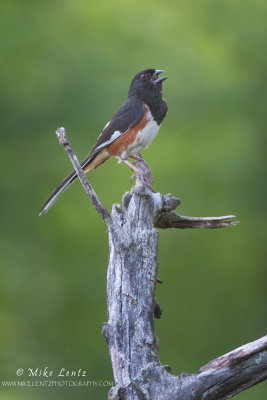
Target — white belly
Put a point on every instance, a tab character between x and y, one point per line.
144	137
148	134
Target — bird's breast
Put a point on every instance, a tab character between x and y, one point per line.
136	138
145	135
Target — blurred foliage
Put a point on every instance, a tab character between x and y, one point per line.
70	63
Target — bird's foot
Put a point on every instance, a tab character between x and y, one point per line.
134	176
143	180
140	163
142	174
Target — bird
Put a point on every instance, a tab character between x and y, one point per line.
131	129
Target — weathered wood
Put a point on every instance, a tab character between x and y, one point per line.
220	379
131	280
132	274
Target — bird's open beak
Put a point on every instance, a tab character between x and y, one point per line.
155	76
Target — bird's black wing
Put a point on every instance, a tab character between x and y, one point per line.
127	116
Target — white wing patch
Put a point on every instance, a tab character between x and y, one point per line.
143	138
113	137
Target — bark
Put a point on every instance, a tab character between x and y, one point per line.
131	280
220	379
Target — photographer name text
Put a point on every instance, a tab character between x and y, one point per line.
47	373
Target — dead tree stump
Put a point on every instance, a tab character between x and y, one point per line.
131	280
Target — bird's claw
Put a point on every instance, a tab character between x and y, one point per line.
133	177
143	173
143	178
142	165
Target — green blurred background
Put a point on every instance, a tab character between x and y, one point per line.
70	63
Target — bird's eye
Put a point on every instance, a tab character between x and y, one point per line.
144	77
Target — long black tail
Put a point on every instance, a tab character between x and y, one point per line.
57	192
86	166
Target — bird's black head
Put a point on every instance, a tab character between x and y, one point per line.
147	84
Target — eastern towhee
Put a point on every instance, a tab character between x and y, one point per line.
131	129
